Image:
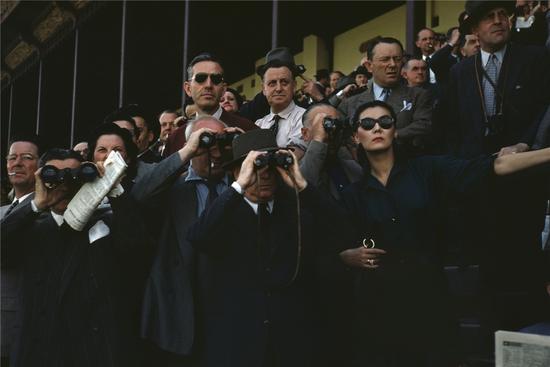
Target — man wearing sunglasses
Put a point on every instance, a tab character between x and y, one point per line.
412	105
205	84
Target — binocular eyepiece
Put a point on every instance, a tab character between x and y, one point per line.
53	176
330	124
274	159
208	140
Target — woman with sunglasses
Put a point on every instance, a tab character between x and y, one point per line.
402	312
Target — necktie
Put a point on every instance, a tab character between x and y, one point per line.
385	94
212	193
275	126
12	206
488	90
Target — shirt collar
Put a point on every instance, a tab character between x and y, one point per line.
377	90
284	113
193	176
21	198
499	54
58	218
254	206
216	114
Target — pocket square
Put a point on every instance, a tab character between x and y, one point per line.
406	106
98	231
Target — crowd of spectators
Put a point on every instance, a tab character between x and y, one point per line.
308	226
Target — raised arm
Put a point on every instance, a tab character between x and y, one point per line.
511	163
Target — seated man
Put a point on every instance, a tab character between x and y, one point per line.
81	290
257	287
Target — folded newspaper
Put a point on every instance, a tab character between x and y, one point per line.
84	203
514	349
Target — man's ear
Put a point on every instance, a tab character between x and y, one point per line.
305	134
355	138
150	136
369	65
187	88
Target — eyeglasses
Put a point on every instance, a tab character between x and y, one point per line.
201	78
385	122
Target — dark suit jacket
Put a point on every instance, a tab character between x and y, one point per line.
79	300
246	301
525	81
413	107
441	63
176	140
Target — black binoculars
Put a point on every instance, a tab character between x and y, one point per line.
208	140
274	159
330	124
53	176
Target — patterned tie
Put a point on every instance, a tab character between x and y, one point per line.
275	126
12	206
212	193
385	94
488	90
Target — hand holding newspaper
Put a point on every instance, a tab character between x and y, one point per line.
90	195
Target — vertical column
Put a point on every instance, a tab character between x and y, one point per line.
39	97
75	71
274	22
122	54
185	56
10	113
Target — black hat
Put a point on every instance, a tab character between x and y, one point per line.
278	56
362	70
477	9
322	73
345	81
258	139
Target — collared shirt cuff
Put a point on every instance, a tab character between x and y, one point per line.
235	185
35	208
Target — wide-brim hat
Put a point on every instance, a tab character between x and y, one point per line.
477	9
277	56
264	140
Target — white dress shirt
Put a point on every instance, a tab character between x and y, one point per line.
499	58
290	125
432	74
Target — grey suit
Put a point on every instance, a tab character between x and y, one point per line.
10	291
313	167
413	107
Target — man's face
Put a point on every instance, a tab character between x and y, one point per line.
416	74
263	190
206	94
471	46
213	159
386	64
22	162
334	78
493	30
166	121
361	80
425	41
278	87
326	110
82	149
145	136
128	126
68	191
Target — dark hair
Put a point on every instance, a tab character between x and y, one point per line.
276	63
135	110
120	115
58	154
124	134
204	56
238	97
371	104
169	110
337	72
424	29
376	41
30	138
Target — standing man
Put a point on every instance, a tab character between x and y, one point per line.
167	123
285	117
494	100
22	162
205	84
425	39
413	105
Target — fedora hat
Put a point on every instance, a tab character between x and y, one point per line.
263	140
280	56
476	9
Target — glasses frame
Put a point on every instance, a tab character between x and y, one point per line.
385	122
215	78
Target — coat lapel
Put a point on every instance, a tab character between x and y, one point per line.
184	211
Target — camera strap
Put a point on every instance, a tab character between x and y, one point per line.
498	92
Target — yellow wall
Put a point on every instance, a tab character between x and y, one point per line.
448	12
346	45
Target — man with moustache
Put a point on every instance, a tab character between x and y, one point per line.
412	105
205	84
81	289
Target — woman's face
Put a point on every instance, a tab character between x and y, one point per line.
377	139
107	143
229	102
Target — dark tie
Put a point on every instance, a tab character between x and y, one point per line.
212	193
488	90
275	126
385	94
12	206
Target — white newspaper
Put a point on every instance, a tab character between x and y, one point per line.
84	203
514	349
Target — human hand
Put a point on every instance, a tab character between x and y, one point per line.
318	132
247	176
45	198
362	257
293	170
310	88
513	149
191	147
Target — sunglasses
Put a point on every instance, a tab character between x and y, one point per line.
385	122
201	78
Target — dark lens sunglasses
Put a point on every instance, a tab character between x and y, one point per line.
201	78
385	122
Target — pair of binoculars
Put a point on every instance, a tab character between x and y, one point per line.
274	159
208	140
53	176
330	124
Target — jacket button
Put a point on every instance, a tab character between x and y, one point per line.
394	220
95	329
266	322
